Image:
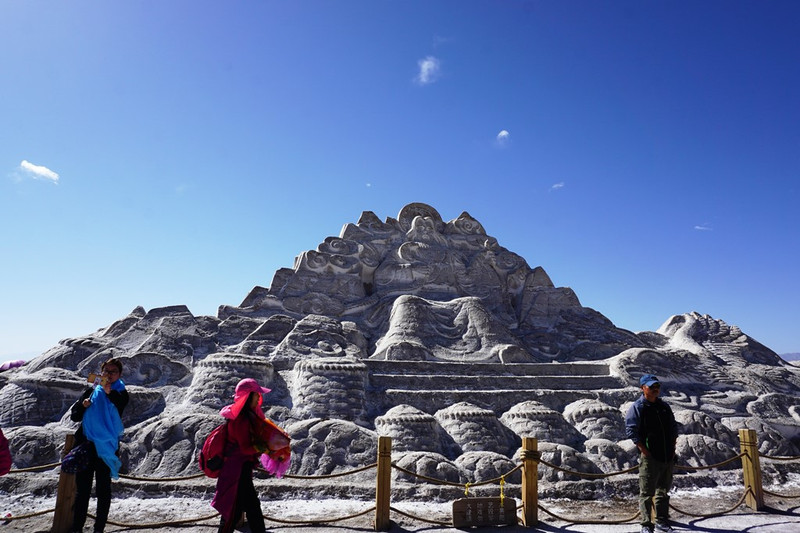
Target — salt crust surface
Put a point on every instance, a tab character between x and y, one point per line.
784	516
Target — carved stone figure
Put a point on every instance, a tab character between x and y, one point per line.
423	330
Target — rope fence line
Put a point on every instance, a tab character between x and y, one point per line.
579	521
747	491
150	525
29	515
329	476
787	496
779	458
467	485
529	458
320	520
589	475
180	478
426	520
709	467
34	468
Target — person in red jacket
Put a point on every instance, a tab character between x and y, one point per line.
235	492
5	455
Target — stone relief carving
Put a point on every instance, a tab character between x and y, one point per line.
423	330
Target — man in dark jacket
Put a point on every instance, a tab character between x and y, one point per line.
651	425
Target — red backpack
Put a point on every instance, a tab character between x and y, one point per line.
212	455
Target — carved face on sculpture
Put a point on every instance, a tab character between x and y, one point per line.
423	229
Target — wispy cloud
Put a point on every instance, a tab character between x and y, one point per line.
557	186
429	70
704	227
38	172
503	137
438	40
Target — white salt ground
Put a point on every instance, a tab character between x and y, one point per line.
782	517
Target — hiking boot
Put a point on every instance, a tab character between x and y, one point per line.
663	527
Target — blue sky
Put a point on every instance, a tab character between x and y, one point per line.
646	154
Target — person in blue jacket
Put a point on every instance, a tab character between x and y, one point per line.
651	425
99	410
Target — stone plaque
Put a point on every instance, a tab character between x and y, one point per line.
484	512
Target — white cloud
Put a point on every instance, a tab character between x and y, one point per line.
369	185
556	186
704	227
438	40
429	69
503	137
38	172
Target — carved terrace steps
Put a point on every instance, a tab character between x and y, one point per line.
430	386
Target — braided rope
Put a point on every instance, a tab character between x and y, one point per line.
718	513
620	521
587	474
426	478
33	468
428	520
182	478
319	520
533	455
499	479
779	458
788	496
328	476
709	467
24	516
149	525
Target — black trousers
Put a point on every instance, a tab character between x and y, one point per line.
99	470
247	502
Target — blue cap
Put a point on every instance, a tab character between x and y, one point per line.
649	380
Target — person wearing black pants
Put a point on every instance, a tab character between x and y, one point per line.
98	468
247	502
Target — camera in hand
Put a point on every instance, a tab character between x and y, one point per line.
97	379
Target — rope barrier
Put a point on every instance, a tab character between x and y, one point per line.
149	525
337	474
182	478
319	521
530	455
533	455
709	467
788	496
466	486
426	478
779	458
427	520
587	474
718	513
29	515
33	468
620	521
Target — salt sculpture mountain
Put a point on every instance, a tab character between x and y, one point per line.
424	330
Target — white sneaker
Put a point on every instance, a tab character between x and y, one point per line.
664	528
647	529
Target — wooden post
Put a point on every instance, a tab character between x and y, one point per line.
751	467
65	496
530	482
383	486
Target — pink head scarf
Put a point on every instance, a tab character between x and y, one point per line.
240	396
